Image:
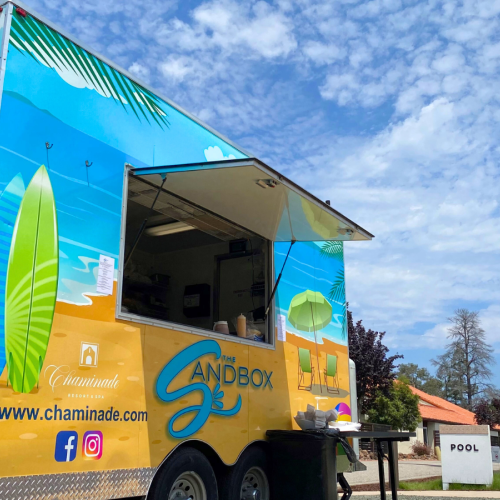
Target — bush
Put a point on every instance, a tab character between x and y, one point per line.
420	449
399	409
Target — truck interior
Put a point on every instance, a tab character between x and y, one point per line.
198	242
191	267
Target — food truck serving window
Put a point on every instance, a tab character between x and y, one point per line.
189	266
198	242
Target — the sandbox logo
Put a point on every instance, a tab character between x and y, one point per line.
212	400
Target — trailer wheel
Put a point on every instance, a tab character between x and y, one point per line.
187	475
248	478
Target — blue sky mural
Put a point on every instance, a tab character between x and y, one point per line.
308	269
81	207
90	135
387	108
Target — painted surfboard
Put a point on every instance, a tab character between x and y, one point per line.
10	200
31	287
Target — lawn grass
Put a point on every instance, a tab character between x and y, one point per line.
437	484
433	484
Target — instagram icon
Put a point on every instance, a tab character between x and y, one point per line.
92	445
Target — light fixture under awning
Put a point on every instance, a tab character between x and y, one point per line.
249	193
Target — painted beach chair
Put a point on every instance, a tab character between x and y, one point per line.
331	371
305	366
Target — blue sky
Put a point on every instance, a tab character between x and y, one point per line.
389	108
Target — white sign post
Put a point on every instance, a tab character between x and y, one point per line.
466	454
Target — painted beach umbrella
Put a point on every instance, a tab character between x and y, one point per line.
10	200
310	311
31	288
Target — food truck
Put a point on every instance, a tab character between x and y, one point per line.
166	297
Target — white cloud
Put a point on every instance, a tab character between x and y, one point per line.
343	88
490	322
214	153
448	63
177	68
142	72
322	53
251	29
263	29
433	339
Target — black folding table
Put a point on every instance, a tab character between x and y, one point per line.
390	438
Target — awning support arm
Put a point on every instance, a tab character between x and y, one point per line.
144	222
278	281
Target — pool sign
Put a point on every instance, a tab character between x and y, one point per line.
462	447
466	454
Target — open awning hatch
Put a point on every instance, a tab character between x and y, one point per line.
252	195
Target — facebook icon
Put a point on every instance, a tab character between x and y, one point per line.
66	446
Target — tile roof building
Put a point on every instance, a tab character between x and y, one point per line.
436	411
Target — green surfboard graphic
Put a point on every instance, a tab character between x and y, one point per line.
31	287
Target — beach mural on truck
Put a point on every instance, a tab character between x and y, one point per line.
90	142
318	267
80	68
311	307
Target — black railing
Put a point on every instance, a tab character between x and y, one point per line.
437	439
366	444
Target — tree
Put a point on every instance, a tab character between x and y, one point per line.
375	371
465	366
399	409
416	376
487	412
434	387
420	378
451	378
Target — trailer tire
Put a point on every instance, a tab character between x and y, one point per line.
186	474
248	478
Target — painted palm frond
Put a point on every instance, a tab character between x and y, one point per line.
344	321
337	290
10	200
337	294
333	249
31	287
82	69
